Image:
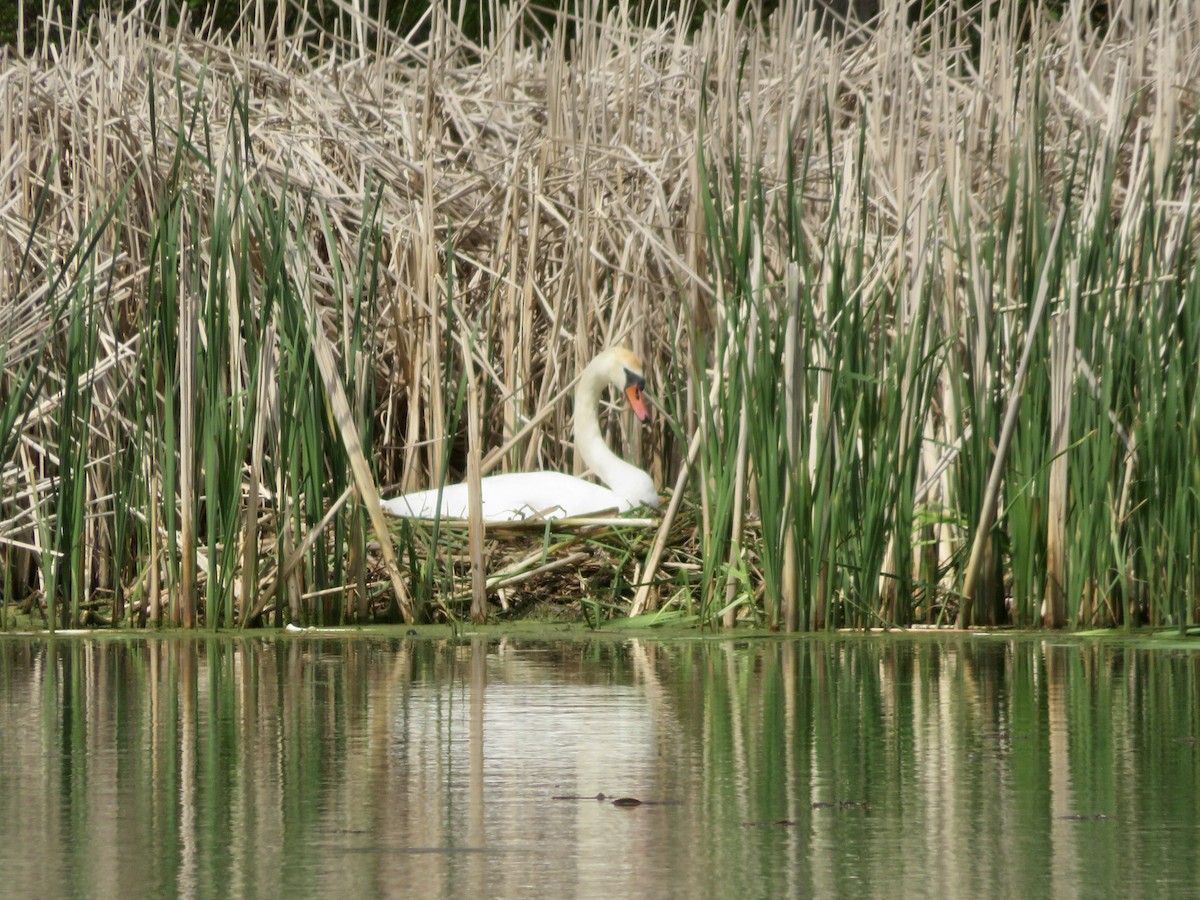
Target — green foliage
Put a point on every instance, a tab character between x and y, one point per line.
832	373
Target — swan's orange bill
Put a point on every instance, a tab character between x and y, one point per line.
635	400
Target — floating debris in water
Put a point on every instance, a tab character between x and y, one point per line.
778	823
841	804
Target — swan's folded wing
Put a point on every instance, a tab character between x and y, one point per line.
513	497
451	504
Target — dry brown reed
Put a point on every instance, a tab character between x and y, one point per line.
559	175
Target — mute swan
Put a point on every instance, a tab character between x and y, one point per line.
550	495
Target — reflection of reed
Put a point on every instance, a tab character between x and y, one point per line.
184	686
477	831
822	767
1063	850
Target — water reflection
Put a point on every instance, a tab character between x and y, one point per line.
245	767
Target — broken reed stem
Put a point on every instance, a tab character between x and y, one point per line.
475	529
509	578
184	613
364	480
645	600
1062	380
983	525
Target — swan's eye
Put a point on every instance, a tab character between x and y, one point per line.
634	380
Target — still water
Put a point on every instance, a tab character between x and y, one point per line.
858	767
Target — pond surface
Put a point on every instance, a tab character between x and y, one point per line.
863	767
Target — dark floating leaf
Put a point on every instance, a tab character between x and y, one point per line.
627	801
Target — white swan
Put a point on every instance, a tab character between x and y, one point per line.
550	495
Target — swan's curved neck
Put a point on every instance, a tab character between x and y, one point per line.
609	467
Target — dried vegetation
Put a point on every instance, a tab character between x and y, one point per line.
919	302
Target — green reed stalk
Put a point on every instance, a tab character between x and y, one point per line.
454	396
186	601
21	391
834	495
971	374
70	287
298	447
238	316
719	400
356	284
128	545
1097	443
1162	293
214	400
73	442
1022	520
762	367
276	419
320	433
160	366
63	555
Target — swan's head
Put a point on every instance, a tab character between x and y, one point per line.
623	370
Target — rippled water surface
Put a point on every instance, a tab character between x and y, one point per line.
358	767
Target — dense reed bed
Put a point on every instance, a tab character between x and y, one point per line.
920	303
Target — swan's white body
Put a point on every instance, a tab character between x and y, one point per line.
551	495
